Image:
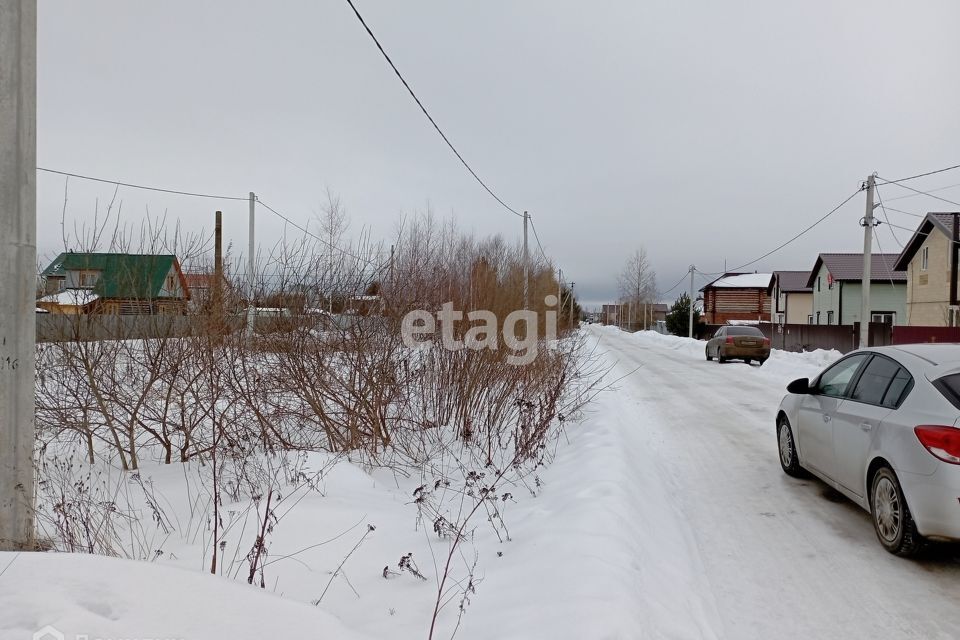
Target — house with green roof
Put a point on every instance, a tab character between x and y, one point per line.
114	283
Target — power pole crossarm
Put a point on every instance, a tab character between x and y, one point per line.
18	266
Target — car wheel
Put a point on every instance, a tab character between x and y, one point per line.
761	361
720	357
707	350
789	459
748	361
892	521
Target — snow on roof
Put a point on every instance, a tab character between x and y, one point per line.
71	297
743	281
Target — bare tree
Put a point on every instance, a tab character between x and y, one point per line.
638	286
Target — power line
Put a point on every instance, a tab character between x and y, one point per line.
313	235
883	256
797	236
920	175
679	282
923	193
537	238
909	213
886	217
140	186
426	113
914	195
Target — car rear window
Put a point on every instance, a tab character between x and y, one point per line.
949	386
744	331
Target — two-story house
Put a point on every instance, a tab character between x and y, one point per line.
791	298
927	262
836	284
115	283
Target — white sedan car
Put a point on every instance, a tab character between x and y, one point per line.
880	425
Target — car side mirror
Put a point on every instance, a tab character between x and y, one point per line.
800	386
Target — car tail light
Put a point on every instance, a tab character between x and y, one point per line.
766	342
729	339
942	442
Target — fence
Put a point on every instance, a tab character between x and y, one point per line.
909	335
844	338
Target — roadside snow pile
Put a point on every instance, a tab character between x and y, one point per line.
781	368
73	595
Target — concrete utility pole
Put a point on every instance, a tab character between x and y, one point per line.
573	324
954	246
18	269
526	264
559	291
690	326
251	280
868	224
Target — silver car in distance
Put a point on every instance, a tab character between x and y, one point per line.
880	426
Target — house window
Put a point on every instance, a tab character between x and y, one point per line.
810	319
818	287
829	317
88	279
924	258
818	317
886	317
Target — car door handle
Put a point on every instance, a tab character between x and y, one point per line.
866	426
826	418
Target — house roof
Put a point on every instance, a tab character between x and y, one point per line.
123	275
199	280
741	281
793	281
660	307
933	220
71	297
849	266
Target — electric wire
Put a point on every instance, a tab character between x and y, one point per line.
883	258
427	113
794	238
921	175
537	238
316	237
885	216
141	186
923	193
914	195
909	213
679	282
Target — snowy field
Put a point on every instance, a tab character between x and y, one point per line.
664	516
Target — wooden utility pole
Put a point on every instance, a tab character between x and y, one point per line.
217	289
251	276
690	321
18	269
868	224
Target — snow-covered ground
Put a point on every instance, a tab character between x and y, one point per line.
664	516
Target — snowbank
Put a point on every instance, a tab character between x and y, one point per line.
99	597
781	367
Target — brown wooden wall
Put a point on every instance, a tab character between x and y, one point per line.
723	305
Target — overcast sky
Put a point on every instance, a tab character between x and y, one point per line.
703	131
